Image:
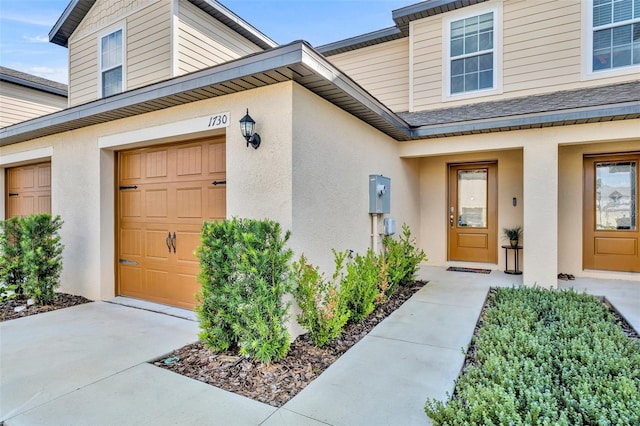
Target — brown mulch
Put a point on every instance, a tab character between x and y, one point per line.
63	300
277	383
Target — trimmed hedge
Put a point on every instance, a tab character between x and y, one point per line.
547	357
244	274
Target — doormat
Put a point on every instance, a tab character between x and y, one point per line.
474	270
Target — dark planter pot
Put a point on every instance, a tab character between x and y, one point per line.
514	243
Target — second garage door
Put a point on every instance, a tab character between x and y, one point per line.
28	190
165	195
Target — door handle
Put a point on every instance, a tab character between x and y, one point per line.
167	240
451	221
173	243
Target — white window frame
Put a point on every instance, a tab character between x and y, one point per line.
469	12
101	35
587	48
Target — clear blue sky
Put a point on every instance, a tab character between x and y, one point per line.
25	26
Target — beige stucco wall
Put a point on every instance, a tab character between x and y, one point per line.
84	186
333	155
434	202
570	219
19	103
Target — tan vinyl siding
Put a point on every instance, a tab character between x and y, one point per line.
149	45
83	71
204	41
382	69
541	52
19	103
147	30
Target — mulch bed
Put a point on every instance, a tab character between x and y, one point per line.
277	383
63	300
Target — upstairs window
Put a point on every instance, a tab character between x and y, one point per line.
472	54
111	63
616	34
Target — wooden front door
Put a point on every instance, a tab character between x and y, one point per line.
165	195
610	213
472	212
28	190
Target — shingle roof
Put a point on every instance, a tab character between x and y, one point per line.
557	101
32	81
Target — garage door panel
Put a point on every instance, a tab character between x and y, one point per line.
131	282
131	242
157	203
130	204
157	283
44	176
156	164
186	244
217	203
189	161
189	203
156	247
185	289
44	203
217	158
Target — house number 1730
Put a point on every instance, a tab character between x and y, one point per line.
218	120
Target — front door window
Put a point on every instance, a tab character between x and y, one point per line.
472	198
616	195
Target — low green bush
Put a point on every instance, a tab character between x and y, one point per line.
31	261
402	258
324	313
359	287
547	357
244	275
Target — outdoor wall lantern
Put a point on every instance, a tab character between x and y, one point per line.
247	127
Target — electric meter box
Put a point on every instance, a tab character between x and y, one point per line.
389	226
379	194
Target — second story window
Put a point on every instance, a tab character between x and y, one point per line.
616	34
111	63
471	54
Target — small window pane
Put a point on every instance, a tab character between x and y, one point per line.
616	195
112	82
457	84
486	22
471	64
457	67
472	198
622	56
471	81
621	35
486	62
457	47
485	41
636	9
602	39
601	59
471	25
471	44
486	79
622	10
457	29
636	53
602	15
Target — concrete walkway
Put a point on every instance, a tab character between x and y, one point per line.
88	365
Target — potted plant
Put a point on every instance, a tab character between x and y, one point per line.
513	234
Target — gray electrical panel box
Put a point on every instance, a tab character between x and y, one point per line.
379	194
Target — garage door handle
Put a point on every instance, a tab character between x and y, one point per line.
167	240
173	242
13	194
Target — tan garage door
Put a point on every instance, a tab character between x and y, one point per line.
165	194
28	190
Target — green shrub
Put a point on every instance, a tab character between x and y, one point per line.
402	259
324	313
31	260
547	357
359	287
244	275
11	276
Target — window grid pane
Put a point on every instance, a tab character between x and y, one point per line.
111	63
469	37
618	45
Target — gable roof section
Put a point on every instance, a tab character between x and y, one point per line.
76	10
402	17
32	81
297	62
